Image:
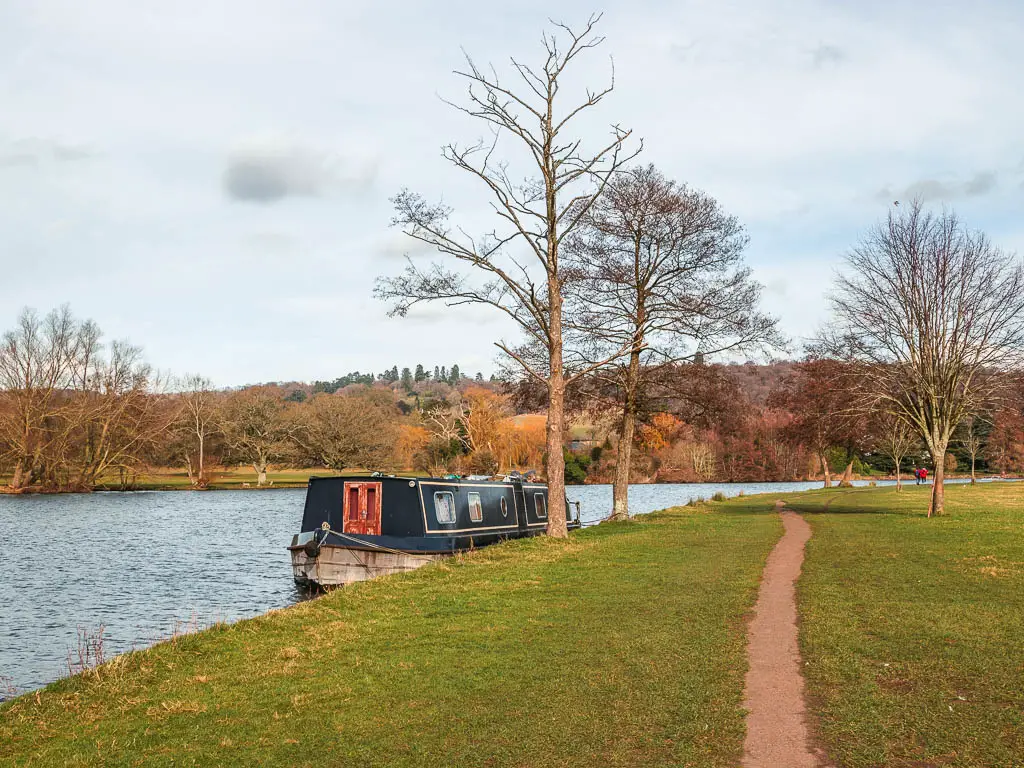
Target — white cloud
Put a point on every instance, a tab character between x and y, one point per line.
797	116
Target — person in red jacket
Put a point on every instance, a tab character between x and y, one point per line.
924	475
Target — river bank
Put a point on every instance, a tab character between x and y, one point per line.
909	628
503	657
243	478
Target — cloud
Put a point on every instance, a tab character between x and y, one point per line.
929	190
33	152
269	171
398	245
827	55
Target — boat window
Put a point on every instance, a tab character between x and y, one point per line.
476	508
504	507
444	506
539	505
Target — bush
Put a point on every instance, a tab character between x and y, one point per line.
576	467
718	496
483	462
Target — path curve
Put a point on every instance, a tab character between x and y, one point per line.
777	732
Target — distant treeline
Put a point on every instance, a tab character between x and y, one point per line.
407	377
77	413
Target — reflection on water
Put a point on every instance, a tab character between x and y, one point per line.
140	564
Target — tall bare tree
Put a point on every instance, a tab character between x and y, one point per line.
39	359
116	416
199	420
931	313
657	269
972	441
895	439
517	266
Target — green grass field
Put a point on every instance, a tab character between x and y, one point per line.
232	478
913	629
623	646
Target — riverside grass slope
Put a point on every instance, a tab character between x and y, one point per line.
623	646
912	630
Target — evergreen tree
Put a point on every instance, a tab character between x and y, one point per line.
479	376
407	379
455	376
420	373
437	373
444	374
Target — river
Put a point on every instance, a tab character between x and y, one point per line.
144	564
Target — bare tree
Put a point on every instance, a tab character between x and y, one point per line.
198	419
931	313
895	439
657	269
256	427
518	264
349	430
972	441
38	362
116	417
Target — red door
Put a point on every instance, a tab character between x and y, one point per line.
362	508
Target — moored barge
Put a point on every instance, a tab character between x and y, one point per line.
355	528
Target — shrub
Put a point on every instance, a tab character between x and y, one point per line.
718	496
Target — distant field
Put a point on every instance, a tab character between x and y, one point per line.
912	629
233	478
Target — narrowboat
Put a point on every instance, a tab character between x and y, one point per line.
355	528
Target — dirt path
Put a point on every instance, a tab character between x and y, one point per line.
777	733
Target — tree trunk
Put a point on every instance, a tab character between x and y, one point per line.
202	471
826	470
261	474
623	461
19	475
899	482
847	479
556	417
936	505
973	479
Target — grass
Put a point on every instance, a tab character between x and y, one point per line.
623	646
232	478
912	630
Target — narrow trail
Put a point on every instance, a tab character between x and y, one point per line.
777	732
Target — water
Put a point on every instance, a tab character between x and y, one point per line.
142	563
137	563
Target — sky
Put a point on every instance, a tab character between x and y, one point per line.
211	180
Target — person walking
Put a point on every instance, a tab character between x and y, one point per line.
917	475
924	475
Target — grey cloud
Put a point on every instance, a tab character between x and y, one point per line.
981	184
34	152
827	55
267	173
929	190
398	245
